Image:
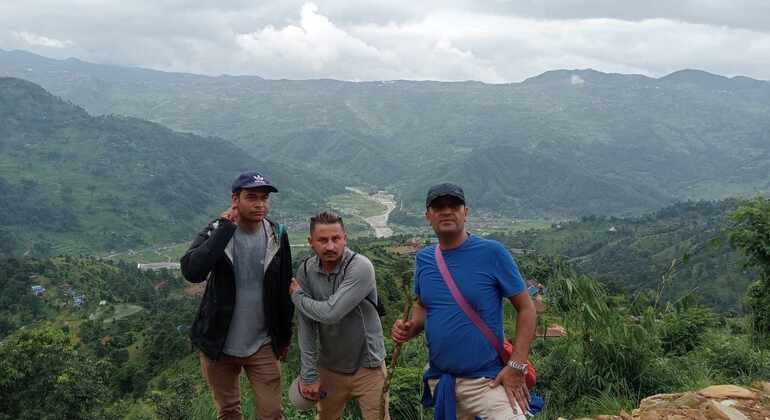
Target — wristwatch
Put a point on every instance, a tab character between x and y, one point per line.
521	367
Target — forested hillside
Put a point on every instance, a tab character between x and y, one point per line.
73	183
105	340
653	141
682	250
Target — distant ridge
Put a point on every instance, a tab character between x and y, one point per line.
566	76
20	60
22	57
634	142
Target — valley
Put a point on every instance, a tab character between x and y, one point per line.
634	204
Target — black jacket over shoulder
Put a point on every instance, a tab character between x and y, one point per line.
210	258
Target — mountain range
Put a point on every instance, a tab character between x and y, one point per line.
561	144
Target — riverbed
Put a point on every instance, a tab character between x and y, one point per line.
379	222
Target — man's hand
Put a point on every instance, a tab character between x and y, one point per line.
231	214
402	331
515	387
283	353
310	391
294	286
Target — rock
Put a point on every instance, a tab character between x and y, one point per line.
689	400
713	411
727	407
656	401
728	391
718	402
649	415
671	401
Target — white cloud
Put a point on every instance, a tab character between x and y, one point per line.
315	42
41	41
373	40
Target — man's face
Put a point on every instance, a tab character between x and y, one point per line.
447	215
328	242
253	204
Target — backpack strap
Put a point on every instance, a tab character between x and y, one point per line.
377	307
347	264
304	266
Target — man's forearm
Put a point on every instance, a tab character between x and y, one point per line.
322	311
525	329
308	345
208	247
351	292
418	318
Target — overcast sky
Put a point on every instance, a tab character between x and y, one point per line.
491	41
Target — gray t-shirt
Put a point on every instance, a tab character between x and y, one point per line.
248	329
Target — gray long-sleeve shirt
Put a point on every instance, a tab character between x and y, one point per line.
339	328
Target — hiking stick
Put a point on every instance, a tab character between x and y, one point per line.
407	277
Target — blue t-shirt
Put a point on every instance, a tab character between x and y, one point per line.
485	273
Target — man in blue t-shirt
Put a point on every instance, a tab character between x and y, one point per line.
466	378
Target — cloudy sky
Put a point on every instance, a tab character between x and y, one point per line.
492	41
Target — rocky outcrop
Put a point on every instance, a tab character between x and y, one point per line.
717	402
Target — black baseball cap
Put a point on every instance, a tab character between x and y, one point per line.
446	189
252	179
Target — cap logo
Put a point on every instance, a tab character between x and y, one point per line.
259	179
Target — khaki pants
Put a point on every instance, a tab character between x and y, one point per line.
476	399
365	385
264	374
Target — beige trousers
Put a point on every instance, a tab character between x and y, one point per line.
476	399
264	374
365	385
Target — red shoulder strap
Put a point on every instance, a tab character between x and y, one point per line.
465	306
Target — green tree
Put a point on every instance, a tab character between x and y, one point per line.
684	325
163	344
174	403
43	376
750	233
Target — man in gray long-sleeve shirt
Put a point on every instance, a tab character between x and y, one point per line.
340	334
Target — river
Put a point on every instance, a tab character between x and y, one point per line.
379	222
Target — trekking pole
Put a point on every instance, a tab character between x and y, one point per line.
407	277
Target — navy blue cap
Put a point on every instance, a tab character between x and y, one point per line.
446	189
252	179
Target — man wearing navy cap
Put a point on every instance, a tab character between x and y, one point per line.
467	377
245	315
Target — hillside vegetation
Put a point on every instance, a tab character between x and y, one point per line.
73	183
677	251
615	143
116	363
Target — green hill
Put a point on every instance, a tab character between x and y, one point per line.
682	248
632	142
535	185
123	353
74	183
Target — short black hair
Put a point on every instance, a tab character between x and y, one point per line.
326	217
